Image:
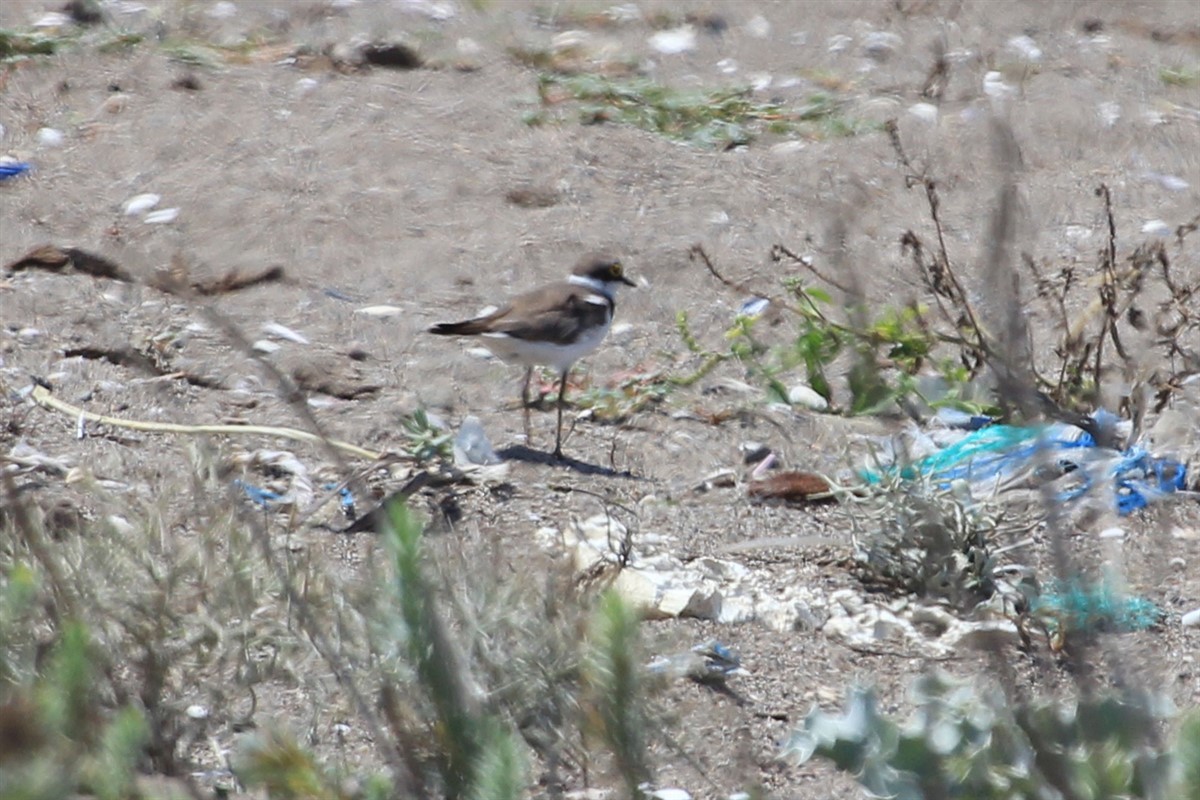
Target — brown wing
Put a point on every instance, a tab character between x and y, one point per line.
556	313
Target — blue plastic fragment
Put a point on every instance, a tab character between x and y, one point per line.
1000	452
258	495
963	420
753	307
11	169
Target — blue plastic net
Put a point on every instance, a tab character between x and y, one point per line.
997	454
1080	606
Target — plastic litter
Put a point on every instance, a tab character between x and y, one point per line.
11	169
259	496
1082	607
995	455
471	445
709	663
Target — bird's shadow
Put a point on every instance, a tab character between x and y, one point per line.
519	452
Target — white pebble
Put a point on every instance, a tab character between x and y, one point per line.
266	346
760	81
53	19
223	10
926	112
1191	619
468	47
879	45
197	712
1025	47
1172	183
727	66
305	86
758	27
1156	227
141	203
379	311
1109	113
621	331
675	41
1178	563
838	43
995	87
481	353
50	137
788	147
283	332
162	216
670	794
805	397
120	525
1112	533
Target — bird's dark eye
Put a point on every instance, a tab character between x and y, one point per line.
615	269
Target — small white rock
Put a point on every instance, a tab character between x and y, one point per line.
266	346
760	81
1178	563
995	87
481	353
1112	533
223	10
283	332
675	41
758	27
805	397
1173	183
1156	227
621	331
838	43
140	203
50	137
162	216
727	66
926	112
670	794
379	311
1190	619
788	148
1109	112
120	525
879	45
1025	47
305	86
53	19
197	712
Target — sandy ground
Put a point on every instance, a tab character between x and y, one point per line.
392	187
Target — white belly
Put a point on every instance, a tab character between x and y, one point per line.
544	354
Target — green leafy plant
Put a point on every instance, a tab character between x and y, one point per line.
887	352
58	737
615	702
625	397
969	742
427	441
718	118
